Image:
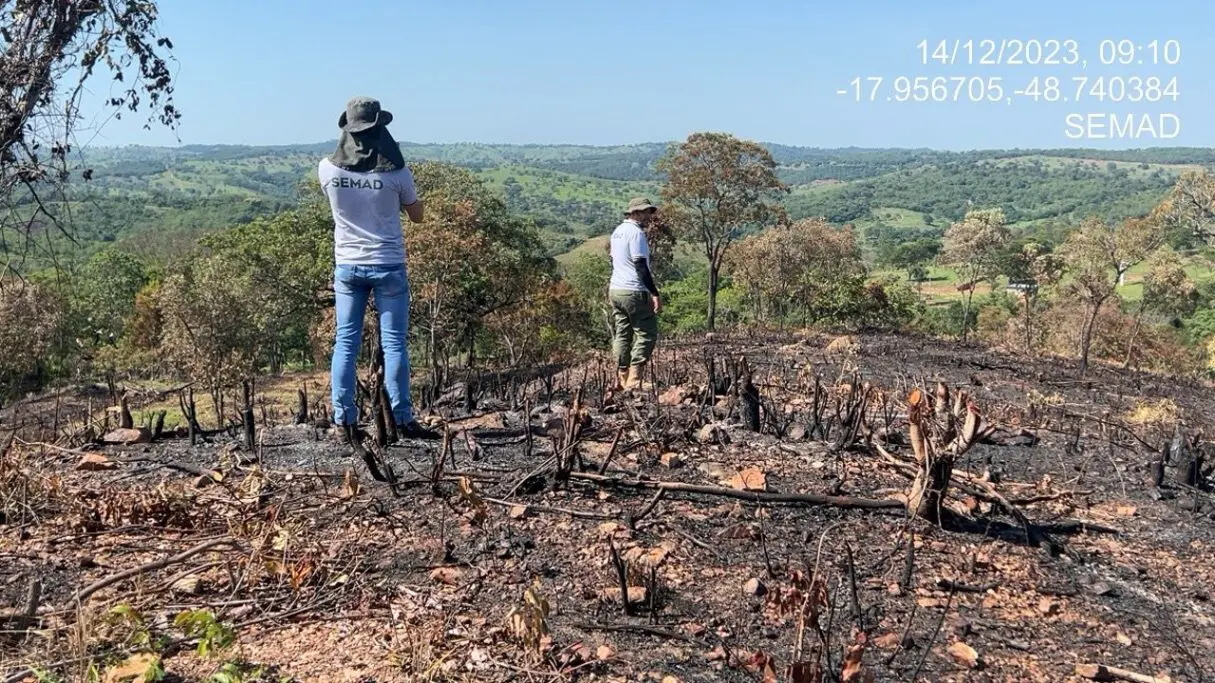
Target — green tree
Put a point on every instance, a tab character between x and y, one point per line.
1167	290
589	275
31	316
1189	208
972	247
49	51
914	256
103	295
1098	255
799	268
470	257
718	188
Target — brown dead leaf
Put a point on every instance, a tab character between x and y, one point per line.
610	528
469	494
350	485
671	460
1048	606
447	575
604	652
761	662
137	668
95	462
853	667
750	479
486	421
1126	510
965	655
739	531
126	437
189	585
637	594
518	511
1124	639
888	641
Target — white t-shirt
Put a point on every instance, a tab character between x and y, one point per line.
367	214
628	243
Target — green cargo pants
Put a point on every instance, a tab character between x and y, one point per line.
636	327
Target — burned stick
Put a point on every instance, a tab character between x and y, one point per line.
612	451
246	416
936	632
908	563
622	575
751	496
856	596
634	519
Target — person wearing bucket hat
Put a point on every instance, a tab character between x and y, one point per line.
368	185
633	294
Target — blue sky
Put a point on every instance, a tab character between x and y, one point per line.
594	72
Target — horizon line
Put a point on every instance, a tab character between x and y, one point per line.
411	143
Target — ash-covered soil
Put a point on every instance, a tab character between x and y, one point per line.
327	575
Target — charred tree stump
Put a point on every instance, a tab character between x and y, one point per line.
853	419
939	433
748	397
1158	465
191	411
250	427
301	409
470	396
158	424
1188	459
125	421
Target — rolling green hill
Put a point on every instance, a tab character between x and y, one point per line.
158	199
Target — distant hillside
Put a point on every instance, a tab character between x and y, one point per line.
160	198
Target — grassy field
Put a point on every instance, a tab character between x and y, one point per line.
941	285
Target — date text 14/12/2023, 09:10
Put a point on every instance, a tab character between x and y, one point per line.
1049	52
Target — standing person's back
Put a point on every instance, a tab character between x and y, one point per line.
368	185
367	213
633	294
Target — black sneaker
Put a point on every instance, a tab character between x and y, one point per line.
413	430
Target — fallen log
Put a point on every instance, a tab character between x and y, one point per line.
1101	672
757	496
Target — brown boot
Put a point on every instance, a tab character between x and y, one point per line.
636	372
622	376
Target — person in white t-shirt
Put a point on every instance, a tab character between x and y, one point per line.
633	294
368	185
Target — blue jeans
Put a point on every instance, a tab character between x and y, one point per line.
352	286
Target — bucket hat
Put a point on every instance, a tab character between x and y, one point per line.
639	204
363	113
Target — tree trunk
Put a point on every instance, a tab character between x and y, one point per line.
250	429
930	486
301	410
712	314
966	312
1130	344
748	397
1086	336
1029	330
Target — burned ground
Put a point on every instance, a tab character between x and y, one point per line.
495	563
